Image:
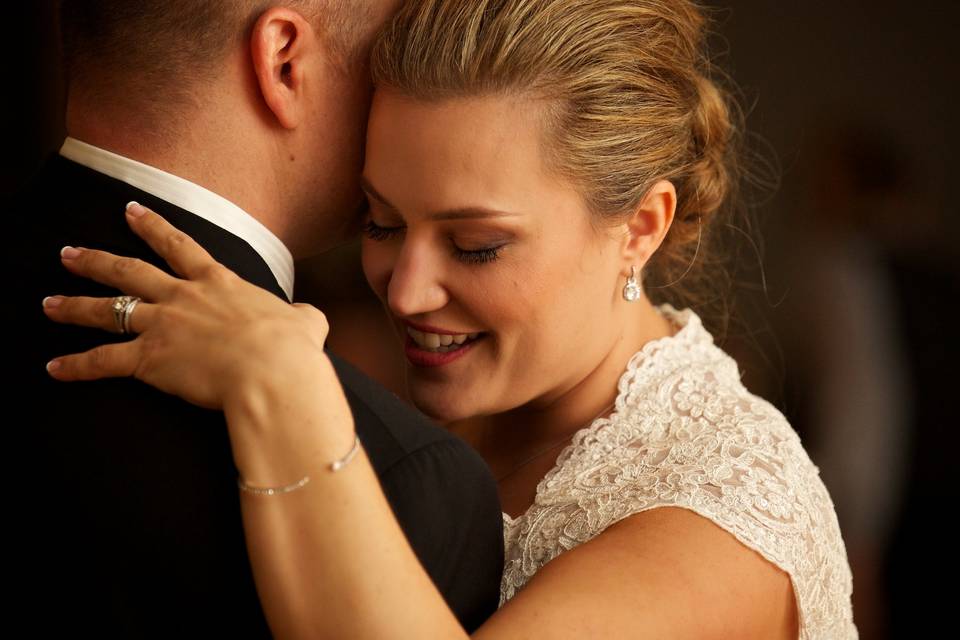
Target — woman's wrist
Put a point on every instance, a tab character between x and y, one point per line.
285	427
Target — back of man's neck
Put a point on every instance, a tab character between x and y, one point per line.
182	155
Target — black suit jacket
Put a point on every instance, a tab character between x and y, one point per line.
127	513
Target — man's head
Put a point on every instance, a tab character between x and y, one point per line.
261	101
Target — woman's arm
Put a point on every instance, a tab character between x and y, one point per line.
664	573
330	559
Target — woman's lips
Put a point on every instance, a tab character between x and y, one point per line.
426	328
420	357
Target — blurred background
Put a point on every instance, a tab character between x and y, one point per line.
844	299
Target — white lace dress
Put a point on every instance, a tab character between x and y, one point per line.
687	433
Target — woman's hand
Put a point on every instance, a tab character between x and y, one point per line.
206	336
326	557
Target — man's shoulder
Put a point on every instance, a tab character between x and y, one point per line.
384	420
67	203
402	442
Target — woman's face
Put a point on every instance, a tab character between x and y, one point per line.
471	242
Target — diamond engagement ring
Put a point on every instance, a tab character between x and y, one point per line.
123	307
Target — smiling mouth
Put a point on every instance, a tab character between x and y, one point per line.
441	342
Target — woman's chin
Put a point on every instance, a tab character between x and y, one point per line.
441	410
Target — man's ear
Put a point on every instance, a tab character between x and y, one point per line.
647	226
283	45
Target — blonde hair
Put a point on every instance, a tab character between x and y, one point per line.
632	95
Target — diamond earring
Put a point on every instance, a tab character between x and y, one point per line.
631	290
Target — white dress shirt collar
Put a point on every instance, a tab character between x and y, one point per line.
190	197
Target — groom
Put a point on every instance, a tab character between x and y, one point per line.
243	126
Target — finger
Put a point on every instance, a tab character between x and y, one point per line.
130	275
106	361
317	317
97	313
187	258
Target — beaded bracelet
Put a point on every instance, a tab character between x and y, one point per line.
335	466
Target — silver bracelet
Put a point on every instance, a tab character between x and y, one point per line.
335	466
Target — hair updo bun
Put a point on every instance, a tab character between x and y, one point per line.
632	99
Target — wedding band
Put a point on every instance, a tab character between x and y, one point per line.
123	307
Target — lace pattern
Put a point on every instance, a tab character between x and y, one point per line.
686	433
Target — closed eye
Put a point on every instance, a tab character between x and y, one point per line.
477	256
378	233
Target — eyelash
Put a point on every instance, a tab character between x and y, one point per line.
478	256
378	233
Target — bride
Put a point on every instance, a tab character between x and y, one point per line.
535	171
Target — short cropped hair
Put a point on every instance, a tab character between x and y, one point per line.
170	46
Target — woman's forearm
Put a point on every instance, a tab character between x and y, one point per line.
329	559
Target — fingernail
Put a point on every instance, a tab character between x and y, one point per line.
135	209
52	302
69	253
53	365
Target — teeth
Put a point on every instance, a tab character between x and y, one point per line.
439	343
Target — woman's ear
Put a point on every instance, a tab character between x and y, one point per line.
647	226
283	44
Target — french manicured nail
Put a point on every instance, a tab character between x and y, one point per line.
135	209
52	302
69	253
53	365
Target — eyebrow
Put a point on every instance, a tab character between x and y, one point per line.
459	213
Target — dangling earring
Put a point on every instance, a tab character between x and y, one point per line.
631	290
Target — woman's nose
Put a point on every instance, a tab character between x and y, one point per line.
415	286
